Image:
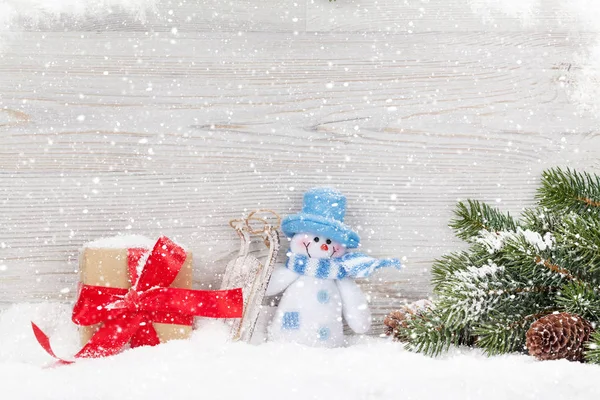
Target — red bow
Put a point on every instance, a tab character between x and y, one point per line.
127	314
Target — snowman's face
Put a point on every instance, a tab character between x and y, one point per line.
315	246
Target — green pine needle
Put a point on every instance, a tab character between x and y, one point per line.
592	353
581	299
427	334
449	264
540	220
569	191
502	336
474	217
579	237
528	263
516	271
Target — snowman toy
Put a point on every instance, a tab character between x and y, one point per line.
317	279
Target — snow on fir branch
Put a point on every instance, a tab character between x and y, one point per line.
516	271
495	241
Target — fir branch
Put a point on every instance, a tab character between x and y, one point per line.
500	337
554	268
519	290
592	354
446	266
589	202
467	296
530	260
581	299
475	216
540	219
569	191
493	292
579	239
429	335
505	333
516	272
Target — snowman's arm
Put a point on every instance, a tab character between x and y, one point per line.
354	306
281	278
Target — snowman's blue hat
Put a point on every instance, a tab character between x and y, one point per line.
322	213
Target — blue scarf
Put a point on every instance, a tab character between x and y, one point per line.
353	265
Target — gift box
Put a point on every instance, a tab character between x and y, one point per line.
116	262
136	292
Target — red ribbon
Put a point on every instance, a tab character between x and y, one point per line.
127	314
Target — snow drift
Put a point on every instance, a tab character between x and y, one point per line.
209	366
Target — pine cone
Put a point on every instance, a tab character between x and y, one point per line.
558	336
398	319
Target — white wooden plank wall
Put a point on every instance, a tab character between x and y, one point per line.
111	125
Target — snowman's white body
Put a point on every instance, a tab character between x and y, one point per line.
311	309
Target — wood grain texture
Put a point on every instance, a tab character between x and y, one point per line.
395	16
117	131
417	16
165	16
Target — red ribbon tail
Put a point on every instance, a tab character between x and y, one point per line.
44	341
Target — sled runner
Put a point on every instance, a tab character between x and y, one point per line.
248	272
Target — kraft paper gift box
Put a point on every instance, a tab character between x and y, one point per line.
107	262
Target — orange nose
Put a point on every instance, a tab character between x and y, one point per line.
324	247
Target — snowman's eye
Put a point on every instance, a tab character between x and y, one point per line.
328	241
316	240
